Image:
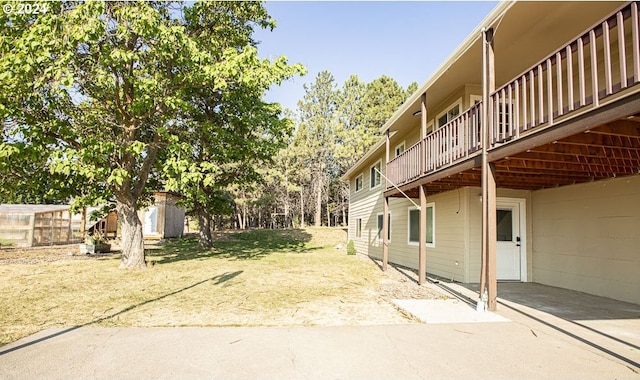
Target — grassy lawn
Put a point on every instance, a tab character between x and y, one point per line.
283	277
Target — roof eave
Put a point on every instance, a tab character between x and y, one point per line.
489	20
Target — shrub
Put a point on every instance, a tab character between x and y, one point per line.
351	248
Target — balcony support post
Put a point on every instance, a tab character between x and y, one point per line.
488	281
422	254
385	213
385	234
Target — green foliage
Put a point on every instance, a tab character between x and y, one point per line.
228	132
125	95
351	248
336	126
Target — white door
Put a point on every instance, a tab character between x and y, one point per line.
151	220
509	241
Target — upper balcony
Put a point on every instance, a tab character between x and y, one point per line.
589	85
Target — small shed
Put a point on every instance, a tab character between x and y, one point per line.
165	219
23	225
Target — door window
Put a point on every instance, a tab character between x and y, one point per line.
504	225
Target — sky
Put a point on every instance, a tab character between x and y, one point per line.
406	40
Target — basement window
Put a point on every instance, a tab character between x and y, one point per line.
380	219
414	225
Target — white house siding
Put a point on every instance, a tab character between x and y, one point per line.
365	205
450	235
587	237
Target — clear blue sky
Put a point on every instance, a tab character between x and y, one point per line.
405	40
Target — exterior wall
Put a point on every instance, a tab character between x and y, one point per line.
475	229
366	204
585	237
169	217
174	217
446	259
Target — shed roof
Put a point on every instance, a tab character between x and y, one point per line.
30	209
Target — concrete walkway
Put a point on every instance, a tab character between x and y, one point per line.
530	337
506	350
457	351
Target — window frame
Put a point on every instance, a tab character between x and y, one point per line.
371	172
433	224
358	228
361	177
457	103
404	147
379	228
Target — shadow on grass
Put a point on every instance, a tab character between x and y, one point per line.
236	245
217	280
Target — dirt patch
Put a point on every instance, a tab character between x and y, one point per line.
37	255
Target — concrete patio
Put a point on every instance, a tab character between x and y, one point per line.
605	326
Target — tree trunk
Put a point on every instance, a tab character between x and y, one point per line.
245	222
318	219
287	223
301	207
328	216
131	241
205	240
344	216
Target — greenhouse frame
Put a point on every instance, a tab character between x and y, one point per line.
24	225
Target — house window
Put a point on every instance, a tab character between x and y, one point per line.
414	225
502	117
359	183
358	227
380	219
399	149
376	178
451	114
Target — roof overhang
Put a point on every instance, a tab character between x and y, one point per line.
452	67
373	151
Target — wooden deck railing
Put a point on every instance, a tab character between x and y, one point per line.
455	140
601	62
406	166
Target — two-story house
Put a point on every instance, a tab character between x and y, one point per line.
518	159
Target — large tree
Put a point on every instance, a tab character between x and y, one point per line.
336	126
315	137
108	88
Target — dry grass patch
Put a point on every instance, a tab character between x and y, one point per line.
282	277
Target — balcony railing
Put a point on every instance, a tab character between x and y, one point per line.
458	139
600	63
